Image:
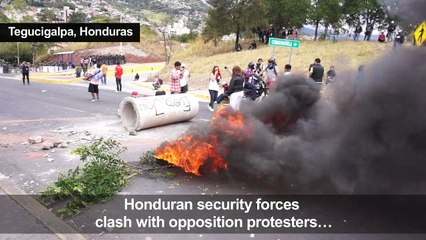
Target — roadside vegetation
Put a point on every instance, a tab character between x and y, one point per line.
102	175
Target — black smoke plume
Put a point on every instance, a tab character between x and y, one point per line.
410	11
361	134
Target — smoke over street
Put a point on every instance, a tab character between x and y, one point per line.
368	136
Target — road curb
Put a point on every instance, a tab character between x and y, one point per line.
50	220
44	80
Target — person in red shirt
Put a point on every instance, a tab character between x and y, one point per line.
118	73
382	37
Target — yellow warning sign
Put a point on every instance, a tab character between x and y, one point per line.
420	35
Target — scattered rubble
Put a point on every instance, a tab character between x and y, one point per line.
34	140
63	145
57	143
47	146
50	159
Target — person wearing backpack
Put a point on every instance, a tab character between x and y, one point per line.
248	80
271	72
94	79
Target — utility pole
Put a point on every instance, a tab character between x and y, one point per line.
33	50
121	43
17	47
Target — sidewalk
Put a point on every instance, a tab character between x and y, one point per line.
23	217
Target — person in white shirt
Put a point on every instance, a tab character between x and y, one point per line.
287	69
214	81
271	72
185	79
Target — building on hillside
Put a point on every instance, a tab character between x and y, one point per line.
179	27
66	12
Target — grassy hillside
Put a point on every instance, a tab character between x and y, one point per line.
343	55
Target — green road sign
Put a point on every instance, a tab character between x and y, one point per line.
278	42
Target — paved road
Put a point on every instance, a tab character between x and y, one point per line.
29	109
51	101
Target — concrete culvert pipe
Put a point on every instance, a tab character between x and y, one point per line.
147	112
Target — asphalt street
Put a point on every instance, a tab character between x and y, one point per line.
39	108
42	101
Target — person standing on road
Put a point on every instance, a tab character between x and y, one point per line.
25	72
94	79
399	39
104	69
186	74
78	70
175	77
214	82
317	71
391	30
118	73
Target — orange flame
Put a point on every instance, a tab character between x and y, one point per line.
191	152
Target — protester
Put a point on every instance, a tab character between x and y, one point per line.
287	69
316	71
382	37
399	39
259	67
358	31
158	83
175	76
136	77
391	31
248	80
104	70
118	73
185	79
94	79
235	85
214	81
253	45
271	72
25	73
331	75
78	70
368	32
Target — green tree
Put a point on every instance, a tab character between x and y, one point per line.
325	12
287	13
105	19
46	15
27	19
217	23
4	18
18	4
364	11
234	16
78	17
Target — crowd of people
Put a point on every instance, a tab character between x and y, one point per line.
92	60
248	82
394	34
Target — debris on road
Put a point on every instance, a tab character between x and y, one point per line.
47	146
63	145
34	140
